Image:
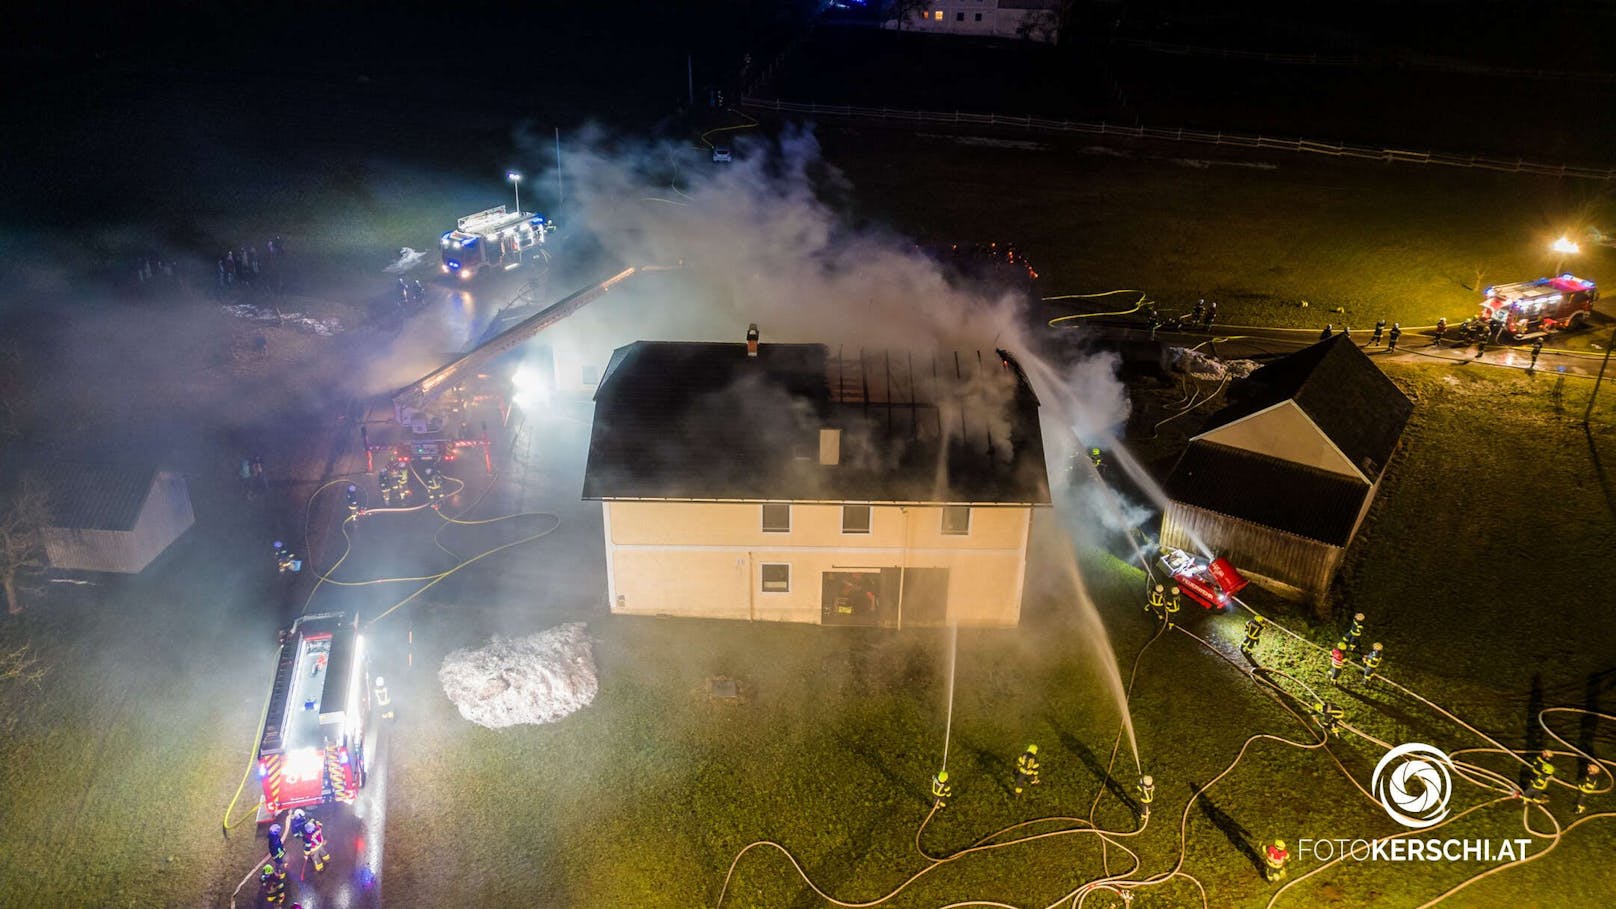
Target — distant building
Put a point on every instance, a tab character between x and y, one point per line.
111	518
806	484
1280	480
1034	20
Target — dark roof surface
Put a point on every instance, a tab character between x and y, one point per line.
94	496
689	420
1341	391
1284	495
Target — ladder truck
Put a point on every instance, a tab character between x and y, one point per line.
311	750
432	417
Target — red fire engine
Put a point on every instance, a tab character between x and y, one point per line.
1212	584
312	749
1526	309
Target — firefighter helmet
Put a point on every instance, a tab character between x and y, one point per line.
269	867
1032	749
1357	617
274	829
1279	844
942	776
1158	588
380	683
279	544
1146	780
1378	647
297	819
309	828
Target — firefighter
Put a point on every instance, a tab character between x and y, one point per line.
384	701
1254	630
277	847
434	485
272	881
1157	602
1371	660
1329	330
285	560
1027	768
1275	855
1542	773
1173	605
1338	660
1329	717
940	790
1198	313
1393	335
1211	314
384	480
1147	794
1441	329
353	501
1481	346
313	837
1537	348
1096	459
1588	785
1380	329
420	292
1354	633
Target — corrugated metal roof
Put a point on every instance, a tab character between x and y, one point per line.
94	496
1284	495
688	420
1341	391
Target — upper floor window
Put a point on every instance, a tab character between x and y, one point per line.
956	519
855	519
776	518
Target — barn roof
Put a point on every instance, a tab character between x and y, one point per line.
94	496
1341	391
1308	502
693	420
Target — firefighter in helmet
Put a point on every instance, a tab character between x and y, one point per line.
1147	794
1254	630
272	881
940	790
1372	660
277	847
1588	786
1027	768
384	700
1173	604
1157	602
1542	773
1275	855
353	501
313	836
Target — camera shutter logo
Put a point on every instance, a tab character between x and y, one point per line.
1414	782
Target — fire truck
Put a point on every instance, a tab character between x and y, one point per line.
1530	309
1211	583
312	749
492	238
446	411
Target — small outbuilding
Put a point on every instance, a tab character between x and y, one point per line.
110	517
1280	480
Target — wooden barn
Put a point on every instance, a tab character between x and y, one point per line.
111	518
1279	481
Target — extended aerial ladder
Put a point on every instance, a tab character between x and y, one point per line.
425	409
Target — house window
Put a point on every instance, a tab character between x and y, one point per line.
959	17
979	17
776	578
776	518
956	520
938	15
855	519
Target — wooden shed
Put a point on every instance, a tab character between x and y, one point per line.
111	518
1281	479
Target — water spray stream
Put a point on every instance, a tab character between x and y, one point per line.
953	651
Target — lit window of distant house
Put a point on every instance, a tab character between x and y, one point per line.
956	519
938	15
776	578
776	518
855	519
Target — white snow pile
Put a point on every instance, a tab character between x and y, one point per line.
407	259
539	678
1198	365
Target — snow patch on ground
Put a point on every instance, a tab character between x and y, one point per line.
539	678
1203	164
1198	365
989	142
407	259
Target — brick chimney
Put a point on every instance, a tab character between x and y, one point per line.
751	340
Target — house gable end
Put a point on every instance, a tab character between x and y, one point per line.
1284	431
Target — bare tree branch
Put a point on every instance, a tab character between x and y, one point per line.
22	545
